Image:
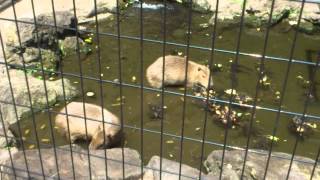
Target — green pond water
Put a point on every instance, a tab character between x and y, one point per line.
280	42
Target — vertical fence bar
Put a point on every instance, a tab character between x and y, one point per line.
100	84
45	89
315	164
260	75
233	76
185	86
141	86
15	107
120	83
63	89
7	142
28	89
209	82
312	84
284	88
82	88
163	88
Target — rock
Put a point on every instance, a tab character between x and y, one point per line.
6	133
68	46
109	6
255	166
170	170
5	156
257	12
81	165
37	91
47	35
31	57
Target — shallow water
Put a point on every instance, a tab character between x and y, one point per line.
279	44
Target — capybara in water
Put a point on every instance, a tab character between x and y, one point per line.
174	72
94	126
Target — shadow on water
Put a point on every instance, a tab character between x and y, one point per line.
246	74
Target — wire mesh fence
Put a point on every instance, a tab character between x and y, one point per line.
121	85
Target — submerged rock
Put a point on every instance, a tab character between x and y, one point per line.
37	92
256	163
132	168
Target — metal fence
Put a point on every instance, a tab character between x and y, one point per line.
230	103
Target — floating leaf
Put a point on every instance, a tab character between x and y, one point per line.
273	138
134	79
42	126
170	142
299	77
45	140
90	94
229	91
27	131
31	146
88	40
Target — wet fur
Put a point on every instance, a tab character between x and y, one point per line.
174	74
94	128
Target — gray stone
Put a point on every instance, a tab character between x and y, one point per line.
47	35
37	92
170	170
255	166
5	154
68	46
6	137
81	165
31	57
257	12
103	7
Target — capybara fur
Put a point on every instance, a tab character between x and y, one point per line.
94	125
174	73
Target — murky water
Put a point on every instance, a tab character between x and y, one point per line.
280	42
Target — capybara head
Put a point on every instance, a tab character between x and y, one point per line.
107	139
99	140
202	76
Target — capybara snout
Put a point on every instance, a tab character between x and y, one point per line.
175	73
93	129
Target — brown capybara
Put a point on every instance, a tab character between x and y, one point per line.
174	72
94	127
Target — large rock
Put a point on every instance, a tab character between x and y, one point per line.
255	166
257	12
31	57
37	91
69	46
81	165
103	6
47	35
170	170
5	154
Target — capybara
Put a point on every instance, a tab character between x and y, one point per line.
94	125
174	72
